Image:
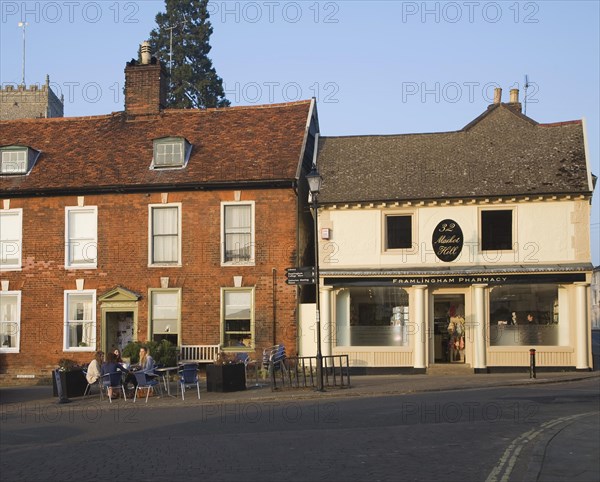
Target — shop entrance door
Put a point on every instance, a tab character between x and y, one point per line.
449	328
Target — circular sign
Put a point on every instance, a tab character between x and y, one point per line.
447	240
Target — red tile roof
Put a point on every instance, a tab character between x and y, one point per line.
230	145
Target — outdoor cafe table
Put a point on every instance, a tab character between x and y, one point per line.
164	373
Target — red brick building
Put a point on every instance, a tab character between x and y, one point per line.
151	223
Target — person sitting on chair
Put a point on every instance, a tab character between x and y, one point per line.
111	366
117	353
146	361
94	370
146	364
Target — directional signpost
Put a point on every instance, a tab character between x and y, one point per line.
300	276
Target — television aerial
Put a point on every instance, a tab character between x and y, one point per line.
23	25
525	87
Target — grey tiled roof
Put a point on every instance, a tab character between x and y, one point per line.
501	153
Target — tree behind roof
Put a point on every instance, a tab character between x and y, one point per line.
194	82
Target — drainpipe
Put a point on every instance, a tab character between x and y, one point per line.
274	306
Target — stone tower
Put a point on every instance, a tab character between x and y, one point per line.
30	103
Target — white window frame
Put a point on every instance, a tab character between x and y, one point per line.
151	291
31	156
414	234
252	318
66	347
17	266
151	208
252	260
17	320
23	163
69	264
186	149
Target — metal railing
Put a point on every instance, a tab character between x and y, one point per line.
301	372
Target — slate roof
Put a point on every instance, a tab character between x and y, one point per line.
230	145
501	153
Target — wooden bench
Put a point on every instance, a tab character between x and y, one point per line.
198	353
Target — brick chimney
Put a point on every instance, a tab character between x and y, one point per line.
514	103
497	98
145	85
497	95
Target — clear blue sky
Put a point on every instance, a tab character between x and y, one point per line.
375	67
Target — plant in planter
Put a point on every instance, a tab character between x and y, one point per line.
163	352
225	375
72	378
132	351
223	359
67	365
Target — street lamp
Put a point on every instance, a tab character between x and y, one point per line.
314	185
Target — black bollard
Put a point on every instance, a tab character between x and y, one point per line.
532	363
62	391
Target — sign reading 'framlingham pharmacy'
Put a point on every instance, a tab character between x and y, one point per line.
492	279
447	240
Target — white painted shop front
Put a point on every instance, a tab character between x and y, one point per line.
406	308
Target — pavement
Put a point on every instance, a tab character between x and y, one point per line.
360	386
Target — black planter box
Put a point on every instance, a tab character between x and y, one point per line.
226	378
73	383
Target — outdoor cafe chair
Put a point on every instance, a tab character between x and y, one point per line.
146	383
88	388
246	360
115	381
274	359
189	378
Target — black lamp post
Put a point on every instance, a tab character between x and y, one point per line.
314	185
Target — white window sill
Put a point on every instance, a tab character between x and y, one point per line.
81	266
11	268
400	251
166	167
80	349
238	263
9	350
496	251
165	265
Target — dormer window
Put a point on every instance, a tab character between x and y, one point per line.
171	152
16	160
